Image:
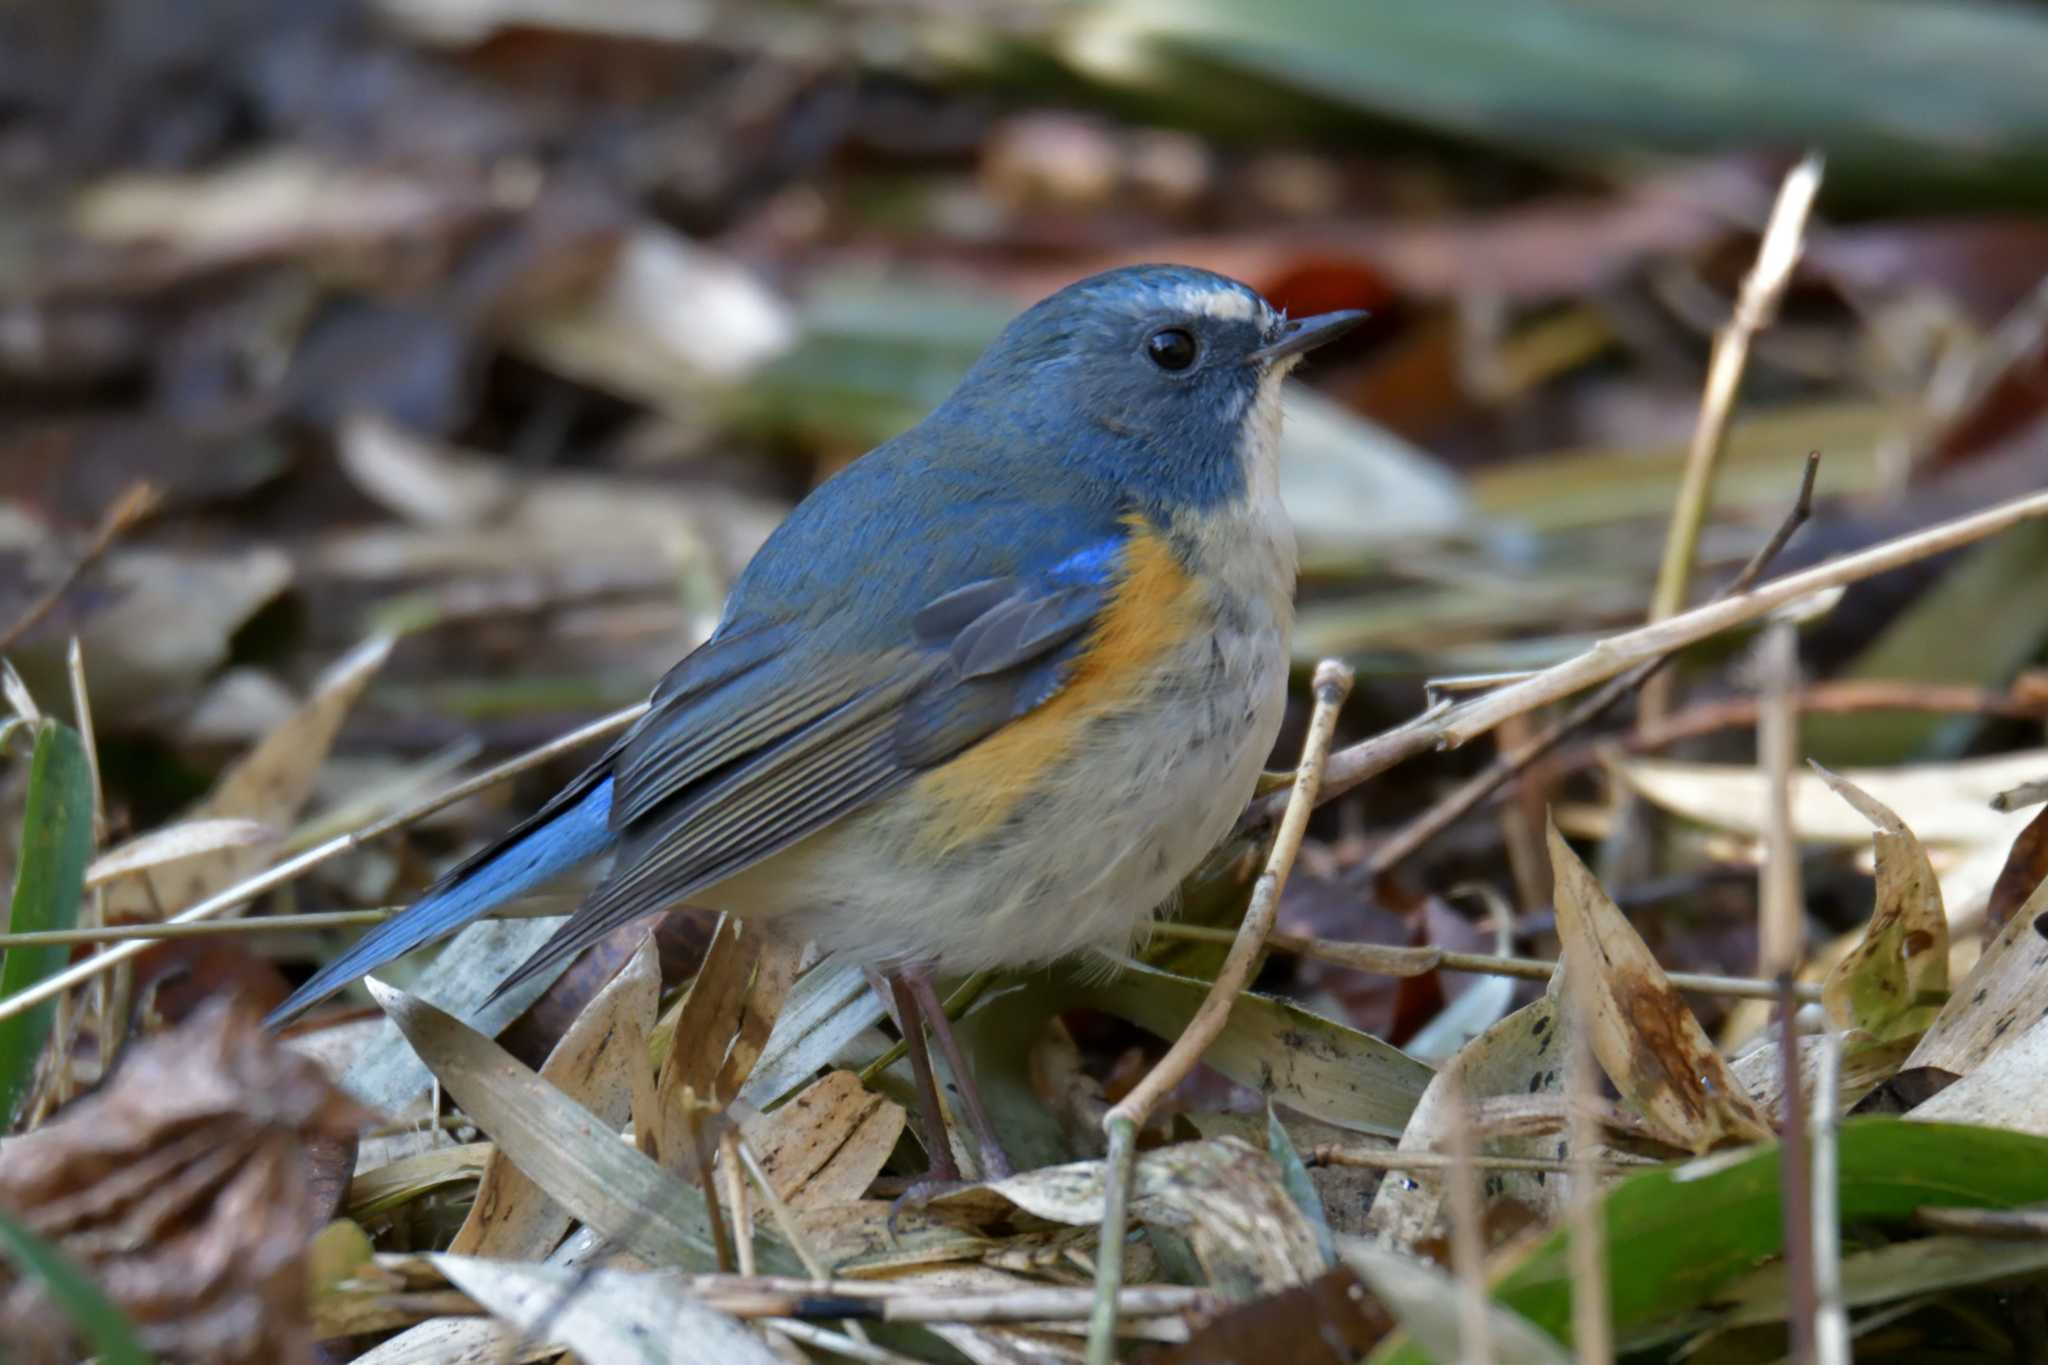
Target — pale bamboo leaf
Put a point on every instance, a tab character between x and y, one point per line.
616	1316
594	1064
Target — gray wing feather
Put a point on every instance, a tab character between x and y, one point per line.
751	751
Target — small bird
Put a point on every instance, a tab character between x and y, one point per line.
987	695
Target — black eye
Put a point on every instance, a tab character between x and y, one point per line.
1171	348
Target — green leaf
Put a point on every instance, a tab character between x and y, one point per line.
98	1322
56	844
1681	1237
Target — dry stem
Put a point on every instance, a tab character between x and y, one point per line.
1519	757
1755	306
1332	685
1387	960
1781	944
1447	725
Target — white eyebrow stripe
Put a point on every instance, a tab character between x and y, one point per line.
1225	305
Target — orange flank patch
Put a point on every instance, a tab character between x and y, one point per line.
1150	614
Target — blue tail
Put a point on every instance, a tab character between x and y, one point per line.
569	830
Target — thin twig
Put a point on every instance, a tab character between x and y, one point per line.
850	1347
1756	304
1388	960
136	502
1840	697
1468	1234
1332	685
1592	1333
735	1182
1781	942
526	907
2022	1224
1618	653
245	891
1448	725
1393	1159
1510	765
1831	1312
1782	928
785	1221
760	1296
2019	798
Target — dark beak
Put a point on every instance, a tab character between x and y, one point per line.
1305	334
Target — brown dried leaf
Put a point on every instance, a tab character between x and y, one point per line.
182	1187
1331	1320
2026	867
597	1064
826	1145
1894	982
717	1034
2006	992
1648	1042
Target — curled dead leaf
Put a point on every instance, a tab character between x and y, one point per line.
183	1187
1894	982
1644	1036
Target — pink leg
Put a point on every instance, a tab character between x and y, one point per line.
932	1115
995	1162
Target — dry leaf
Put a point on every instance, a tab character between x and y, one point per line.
2025	867
1521	1055
385	1187
1223	1195
175	843
1647	1041
597	1064
699	1033
1945	803
1331	1320
668	319
421	480
615	1316
182	1187
2002	996
562	1146
1895	981
829	1007
1427	1302
2009	1090
1866	1064
826	1145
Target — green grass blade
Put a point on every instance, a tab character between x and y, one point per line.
56	843
99	1323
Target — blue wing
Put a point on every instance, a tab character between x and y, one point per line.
909	608
719	777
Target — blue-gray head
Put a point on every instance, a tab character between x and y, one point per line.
1161	381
